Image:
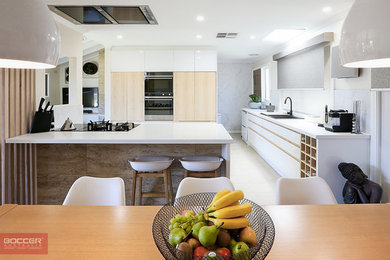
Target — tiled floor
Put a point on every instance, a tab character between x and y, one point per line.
250	173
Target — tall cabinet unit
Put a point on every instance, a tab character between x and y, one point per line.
184	96
205	96
127	96
194	96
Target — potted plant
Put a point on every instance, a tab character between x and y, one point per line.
256	101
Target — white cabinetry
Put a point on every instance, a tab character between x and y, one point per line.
154	60
205	60
159	60
297	153
280	147
127	60
183	60
244	126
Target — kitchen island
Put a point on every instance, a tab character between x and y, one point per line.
62	157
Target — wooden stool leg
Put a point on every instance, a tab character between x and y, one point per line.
185	173
170	185
140	191
216	173
166	186
134	186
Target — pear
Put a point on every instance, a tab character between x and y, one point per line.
248	236
176	236
196	228
231	245
208	235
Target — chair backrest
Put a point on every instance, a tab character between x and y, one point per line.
191	185
295	191
96	192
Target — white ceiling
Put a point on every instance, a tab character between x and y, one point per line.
177	25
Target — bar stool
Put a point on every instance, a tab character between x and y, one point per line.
201	166
151	167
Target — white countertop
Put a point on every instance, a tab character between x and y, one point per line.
159	133
304	126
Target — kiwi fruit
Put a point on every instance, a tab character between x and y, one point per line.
223	238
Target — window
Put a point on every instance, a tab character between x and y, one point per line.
265	84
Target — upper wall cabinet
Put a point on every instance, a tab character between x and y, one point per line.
205	60
140	60
127	61
183	60
159	60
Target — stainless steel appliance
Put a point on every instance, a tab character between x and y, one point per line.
158	108
159	96
339	121
158	84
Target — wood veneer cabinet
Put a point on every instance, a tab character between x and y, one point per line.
195	96
127	96
184	96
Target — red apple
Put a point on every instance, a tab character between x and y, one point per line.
199	252
189	211
225	253
210	223
194	243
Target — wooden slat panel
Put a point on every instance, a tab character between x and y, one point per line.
17	161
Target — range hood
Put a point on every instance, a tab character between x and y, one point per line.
105	14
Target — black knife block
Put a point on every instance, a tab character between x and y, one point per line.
42	121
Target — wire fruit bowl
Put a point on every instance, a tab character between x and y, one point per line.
259	220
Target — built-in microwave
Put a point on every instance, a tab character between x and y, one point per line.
158	84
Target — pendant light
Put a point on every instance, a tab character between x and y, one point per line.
29	36
365	37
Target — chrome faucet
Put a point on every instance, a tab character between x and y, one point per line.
285	101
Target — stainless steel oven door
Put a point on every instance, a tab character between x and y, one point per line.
159	84
158	108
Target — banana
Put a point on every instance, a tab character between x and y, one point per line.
226	200
230	223
234	203
219	195
232	211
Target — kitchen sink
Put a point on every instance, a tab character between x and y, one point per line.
282	116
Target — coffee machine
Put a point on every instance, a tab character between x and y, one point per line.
339	121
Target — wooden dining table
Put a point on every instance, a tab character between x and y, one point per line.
301	232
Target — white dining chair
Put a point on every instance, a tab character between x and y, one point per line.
192	185
295	191
95	191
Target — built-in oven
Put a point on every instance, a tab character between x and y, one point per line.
158	84
158	108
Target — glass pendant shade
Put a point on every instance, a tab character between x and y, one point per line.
365	37
29	36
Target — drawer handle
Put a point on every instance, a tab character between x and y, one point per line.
276	124
280	148
281	137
